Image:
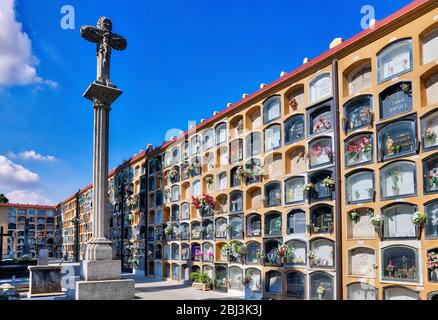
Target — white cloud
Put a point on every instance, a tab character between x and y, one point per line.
27	197
12	174
33	155
17	63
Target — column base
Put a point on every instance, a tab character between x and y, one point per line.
105	290
95	270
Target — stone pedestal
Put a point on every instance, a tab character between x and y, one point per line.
45	281
105	290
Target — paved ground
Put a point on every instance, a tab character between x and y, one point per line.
150	289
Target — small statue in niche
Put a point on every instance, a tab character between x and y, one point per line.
390	146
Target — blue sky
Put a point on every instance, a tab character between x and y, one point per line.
188	58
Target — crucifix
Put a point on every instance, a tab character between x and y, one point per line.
105	41
1	243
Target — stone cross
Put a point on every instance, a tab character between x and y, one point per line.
102	93
105	41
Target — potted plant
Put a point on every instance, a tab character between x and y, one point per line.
284	251
419	219
133	262
355	216
328	183
200	281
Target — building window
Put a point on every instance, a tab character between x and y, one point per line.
255	276
253	144
319	190
361	291
429	131
196	230
208	252
273	224
321	152
253	225
236	150
431	88
221	228
400	263
236	276
432	219
322	255
272	137
398	180
430	174
175	155
394	60
359	79
361	227
295	284
234	179
294	191
196	187
321	219
195	145
362	262
207	140
221	133
299	252
272	109
159	198
236	201
185	211
208	230
185	233
360	186
396	99
296	221
294	129
174	251
359	150
254	170
236	228
397	139
252	250
398	221
175	213
185	150
320	88
273	282
430	46
221	280
400	293
167	159
320	119
222	181
272	194
174	193
321	286
358	113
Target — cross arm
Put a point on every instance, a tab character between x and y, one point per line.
118	42
91	34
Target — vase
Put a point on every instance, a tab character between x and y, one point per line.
247	292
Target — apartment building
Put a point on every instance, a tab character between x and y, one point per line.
29	227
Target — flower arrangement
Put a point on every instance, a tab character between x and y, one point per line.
321	290
284	251
354	149
311	255
406	88
210	254
309	187
390	268
209	180
293	104
321	125
226	249
419	218
133	262
432	261
328	183
355	216
206	200
168	231
171	174
433	179
241	174
318	149
199	254
377	221
260	254
430	134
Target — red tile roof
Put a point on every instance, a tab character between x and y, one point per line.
26	206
